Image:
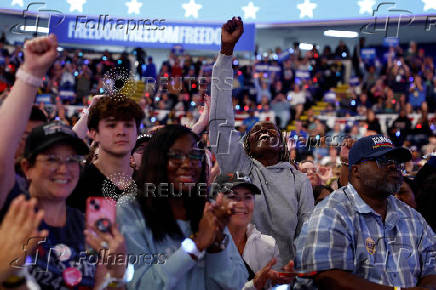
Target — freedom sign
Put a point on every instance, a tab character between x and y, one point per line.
153	33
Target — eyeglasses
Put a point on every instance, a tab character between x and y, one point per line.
309	170
196	157
54	161
383	162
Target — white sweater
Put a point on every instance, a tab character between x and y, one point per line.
258	251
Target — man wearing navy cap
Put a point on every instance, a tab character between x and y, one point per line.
361	237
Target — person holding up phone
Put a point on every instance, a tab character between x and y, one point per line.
259	252
51	164
171	217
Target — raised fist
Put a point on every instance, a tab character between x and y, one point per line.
39	55
230	34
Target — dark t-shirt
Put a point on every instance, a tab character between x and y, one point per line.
92	183
63	249
63	252
20	187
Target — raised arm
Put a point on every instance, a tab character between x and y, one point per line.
203	121
225	141
81	127
39	55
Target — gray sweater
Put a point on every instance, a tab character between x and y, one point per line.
287	199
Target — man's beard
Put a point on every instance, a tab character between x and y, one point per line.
381	186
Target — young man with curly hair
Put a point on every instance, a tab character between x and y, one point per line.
113	122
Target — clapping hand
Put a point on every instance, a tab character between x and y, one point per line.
267	273
17	234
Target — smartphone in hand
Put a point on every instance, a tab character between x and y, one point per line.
100	213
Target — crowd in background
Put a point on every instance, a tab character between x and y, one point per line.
285	82
311	158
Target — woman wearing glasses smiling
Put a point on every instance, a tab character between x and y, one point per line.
51	164
171	216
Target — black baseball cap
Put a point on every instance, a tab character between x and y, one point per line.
49	134
226	182
376	146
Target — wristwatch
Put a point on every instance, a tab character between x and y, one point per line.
116	282
189	246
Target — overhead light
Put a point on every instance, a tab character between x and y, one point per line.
305	46
33	29
341	33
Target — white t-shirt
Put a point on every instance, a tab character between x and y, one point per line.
297	98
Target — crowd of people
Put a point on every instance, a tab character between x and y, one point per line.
213	205
286	83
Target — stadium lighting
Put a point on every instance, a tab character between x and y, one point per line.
341	33
306	46
33	29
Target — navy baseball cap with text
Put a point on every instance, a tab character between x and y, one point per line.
376	146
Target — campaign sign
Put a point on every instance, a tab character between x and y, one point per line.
106	30
368	53
391	42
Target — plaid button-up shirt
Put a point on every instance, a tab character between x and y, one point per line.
344	233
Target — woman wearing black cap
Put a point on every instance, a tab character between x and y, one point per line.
259	251
51	165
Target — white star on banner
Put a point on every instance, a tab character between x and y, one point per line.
429	4
191	8
366	6
76	5
306	8
17	2
250	10
133	6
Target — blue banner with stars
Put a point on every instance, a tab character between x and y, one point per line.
251	11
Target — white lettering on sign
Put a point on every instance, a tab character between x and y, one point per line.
171	34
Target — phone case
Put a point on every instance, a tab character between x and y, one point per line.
100	213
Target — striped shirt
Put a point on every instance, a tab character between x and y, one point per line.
345	233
